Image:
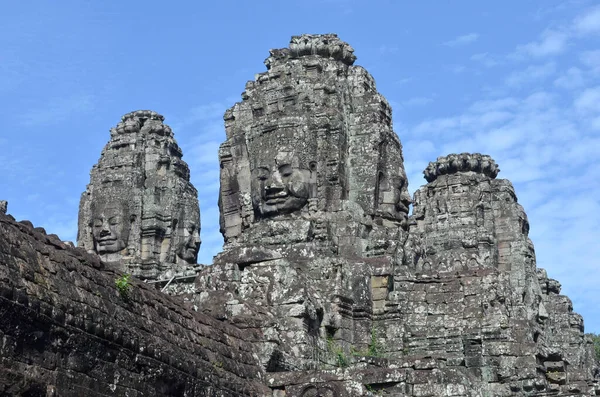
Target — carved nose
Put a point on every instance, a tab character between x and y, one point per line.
405	198
275	180
104	232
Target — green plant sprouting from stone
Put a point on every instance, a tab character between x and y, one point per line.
375	348
373	390
342	360
123	285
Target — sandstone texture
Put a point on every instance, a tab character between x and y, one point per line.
310	154
320	248
313	198
66	330
140	209
326	286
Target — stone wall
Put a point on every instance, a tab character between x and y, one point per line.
67	331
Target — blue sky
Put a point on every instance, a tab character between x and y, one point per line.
519	80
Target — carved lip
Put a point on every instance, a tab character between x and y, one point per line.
106	241
192	246
276	198
275	201
402	207
190	252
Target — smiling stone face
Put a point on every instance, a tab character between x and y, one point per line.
394	198
280	186
308	143
110	227
140	211
190	244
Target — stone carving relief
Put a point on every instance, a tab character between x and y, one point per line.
311	148
464	162
393	198
314	210
323	45
189	244
280	185
110	225
414	250
140	208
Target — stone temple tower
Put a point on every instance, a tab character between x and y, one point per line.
350	294
140	209
313	198
311	155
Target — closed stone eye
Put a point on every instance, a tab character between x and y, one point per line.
285	170
263	174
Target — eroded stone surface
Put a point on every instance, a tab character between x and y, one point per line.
68	331
310	155
313	198
464	162
325	286
321	256
469	293
140	209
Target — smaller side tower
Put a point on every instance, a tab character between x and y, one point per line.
140	209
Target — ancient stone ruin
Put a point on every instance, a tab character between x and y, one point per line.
140	209
326	286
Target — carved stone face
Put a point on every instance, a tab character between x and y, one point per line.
188	248
394	198
280	186
110	228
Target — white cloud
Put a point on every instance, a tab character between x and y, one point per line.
589	22
494	105
547	10
551	42
436	126
422	146
462	40
555	41
456	69
572	79
531	74
591	59
404	80
588	101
